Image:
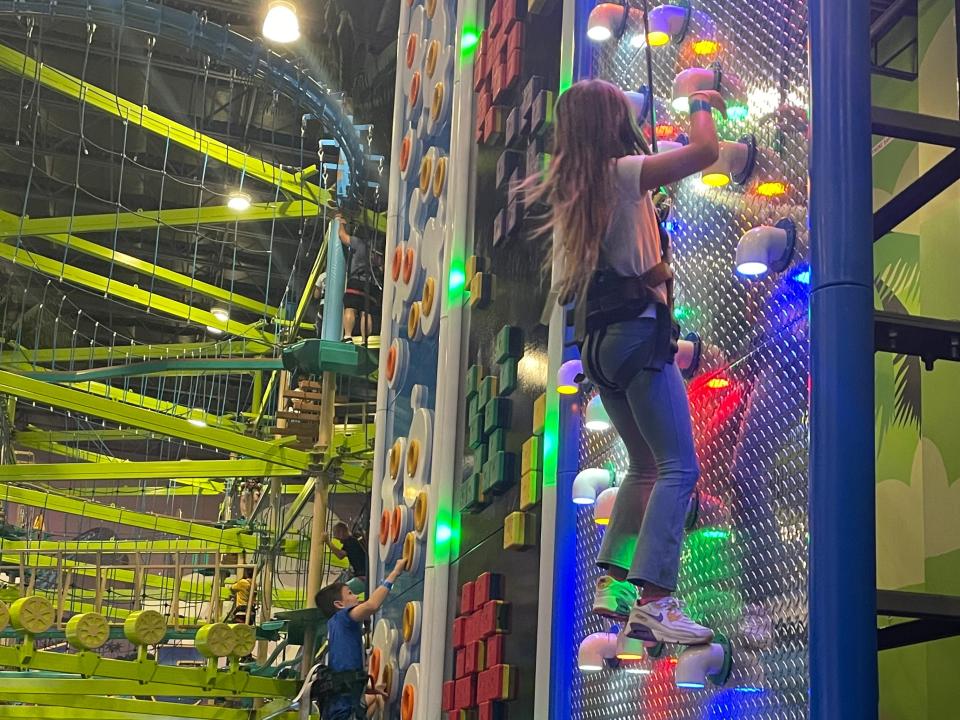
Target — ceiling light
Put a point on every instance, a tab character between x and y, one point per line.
281	24
220	313
197	422
239	201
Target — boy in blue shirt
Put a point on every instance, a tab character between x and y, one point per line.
346	615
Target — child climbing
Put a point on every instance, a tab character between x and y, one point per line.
615	264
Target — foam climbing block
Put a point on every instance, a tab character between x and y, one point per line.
474	628
477	264
494	123
500	227
464	714
489	388
511	132
497	683
466	598
497	441
470	495
508	344
465	693
530	484
495	651
515	215
448	696
539	414
512	13
481	290
488	586
508	376
476	652
513	67
499	473
494	24
496	414
530	92
473	382
459	628
536	156
475	435
541	113
494	618
459	664
531	456
519	531
493	710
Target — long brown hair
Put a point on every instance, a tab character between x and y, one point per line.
595	123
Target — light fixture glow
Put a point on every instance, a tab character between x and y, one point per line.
680	104
706	47
737	113
604	507
589	482
667	23
214	330
715	179
220	313
569	377
281	24
596	418
734	163
771	188
718	383
690	685
239	202
196	422
596	651
701	663
766	249
606	19
802	275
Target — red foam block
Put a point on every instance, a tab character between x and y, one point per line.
487	587
465	694
459	632
466	598
494	710
495	650
497	683
495	618
449	695
460	663
476	654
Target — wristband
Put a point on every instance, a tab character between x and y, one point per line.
699	106
388	585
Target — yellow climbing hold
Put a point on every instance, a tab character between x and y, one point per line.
145	627
32	614
245	638
87	631
215	640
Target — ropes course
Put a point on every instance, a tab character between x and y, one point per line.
165	213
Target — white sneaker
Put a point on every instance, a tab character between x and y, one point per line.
614	598
664	621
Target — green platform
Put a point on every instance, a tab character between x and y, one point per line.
315	356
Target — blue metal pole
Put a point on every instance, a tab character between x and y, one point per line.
842	587
336	283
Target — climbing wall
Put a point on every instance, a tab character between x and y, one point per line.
744	559
413	290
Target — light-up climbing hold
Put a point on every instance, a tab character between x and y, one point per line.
413	457
410	694
244	639
412	553
414	331
426	171
431	58
375	663
32	614
412	622
385	519
87	631
429	295
399	523
440	177
396	457
145	627
215	640
398	357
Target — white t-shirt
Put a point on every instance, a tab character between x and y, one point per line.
631	245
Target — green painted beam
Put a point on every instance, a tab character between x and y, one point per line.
86	354
10	223
129	707
148	470
130	293
232	538
35	712
87	456
122	414
23	66
23	684
153	367
111	546
34	435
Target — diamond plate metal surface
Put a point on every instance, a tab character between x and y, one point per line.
744	563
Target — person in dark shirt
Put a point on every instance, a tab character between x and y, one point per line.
345	618
350	548
362	295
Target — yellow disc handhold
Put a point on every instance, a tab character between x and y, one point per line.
87	631
395	458
429	295
245	639
145	627
440	177
431	7
409	548
413	323
426	173
409	620
433	54
386	680
436	104
32	614
413	457
420	507
215	640
4	616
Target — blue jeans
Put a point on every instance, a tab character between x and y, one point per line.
343	707
651	413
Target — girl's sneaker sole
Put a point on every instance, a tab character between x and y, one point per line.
654	633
